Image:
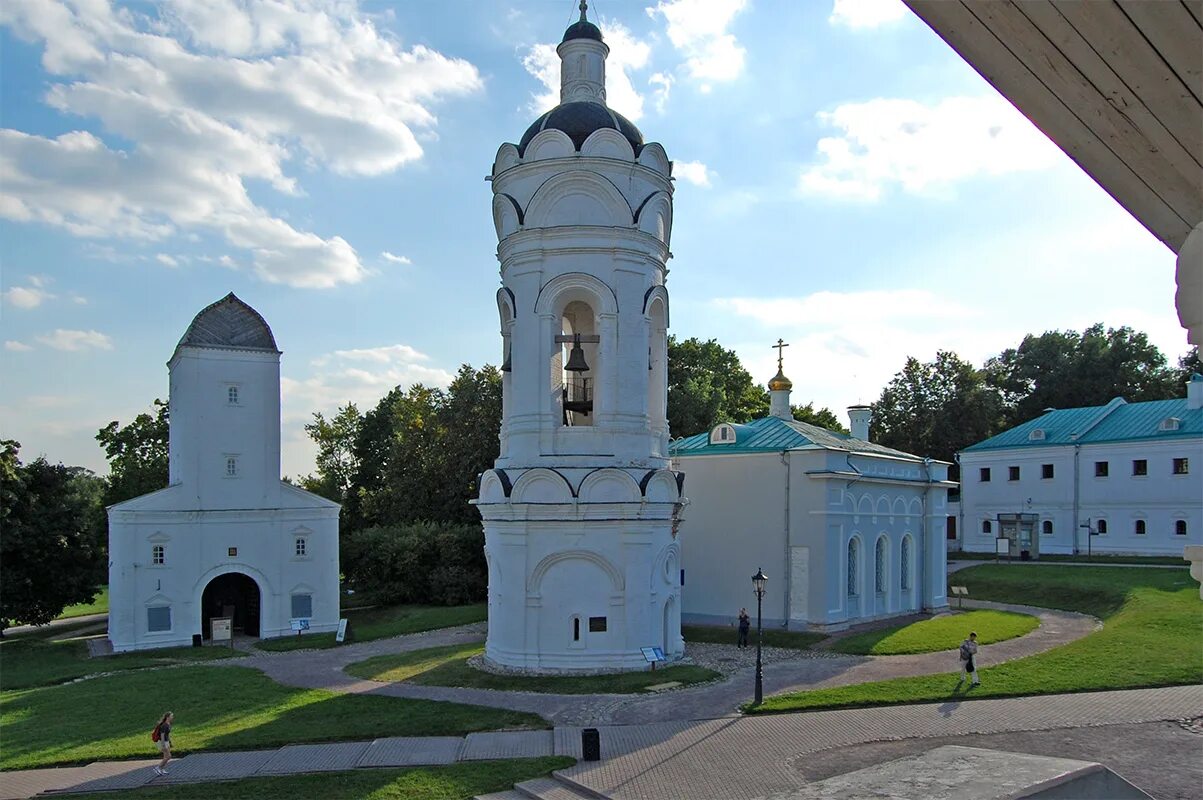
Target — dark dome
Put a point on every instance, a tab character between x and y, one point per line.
229	324
580	119
582	30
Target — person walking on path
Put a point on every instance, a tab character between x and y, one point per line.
745	623
968	667
162	738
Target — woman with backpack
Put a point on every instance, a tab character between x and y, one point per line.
162	737
968	651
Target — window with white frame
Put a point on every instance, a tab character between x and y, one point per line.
302	605
1100	527
232	395
1046	471
300	547
1140	528
852	569
1046	527
987	527
905	564
879	567
983	474
158	618
1181	466
158	555
231	466
1179	527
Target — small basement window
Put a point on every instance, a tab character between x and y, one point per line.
1140	466
1012	473
597	624
1102	469
1181	466
984	475
1046	471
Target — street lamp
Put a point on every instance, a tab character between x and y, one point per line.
758	582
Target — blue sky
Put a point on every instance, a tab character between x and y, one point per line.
844	181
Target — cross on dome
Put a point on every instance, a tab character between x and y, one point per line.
779	382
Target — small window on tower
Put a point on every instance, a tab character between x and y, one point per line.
301	546
158	555
231	467
232	395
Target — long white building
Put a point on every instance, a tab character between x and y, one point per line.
1119	478
226	538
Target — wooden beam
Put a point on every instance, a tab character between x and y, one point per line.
991	56
1176	36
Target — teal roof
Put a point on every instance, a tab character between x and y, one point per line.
773	434
1118	421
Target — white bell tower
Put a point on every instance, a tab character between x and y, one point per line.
580	511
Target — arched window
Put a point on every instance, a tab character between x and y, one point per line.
1140	528
1180	527
879	566
1046	527
852	568
905	564
575	363
1101	527
987	528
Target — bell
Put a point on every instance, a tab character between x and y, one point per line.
576	359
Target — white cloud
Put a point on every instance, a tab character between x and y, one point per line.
923	149
30	296
662	84
75	341
698	28
167	260
14	346
211	95
79	299
860	14
395	258
694	172
627	54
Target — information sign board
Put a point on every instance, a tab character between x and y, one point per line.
1002	546
220	629
342	631
652	654
299	624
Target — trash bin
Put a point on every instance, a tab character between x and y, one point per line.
196	640
1025	555
590	745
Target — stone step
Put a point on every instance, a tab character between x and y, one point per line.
508	794
551	789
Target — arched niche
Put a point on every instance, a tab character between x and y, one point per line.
653	156
883	507
577	198
507	216
899	507
666	568
535	582
608	143
609	485
549	143
655	216
916	507
661	487
541	486
494	487
580	286
655	309
507	156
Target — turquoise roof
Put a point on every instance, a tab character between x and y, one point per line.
773	434
1118	421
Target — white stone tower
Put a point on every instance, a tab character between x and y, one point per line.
581	508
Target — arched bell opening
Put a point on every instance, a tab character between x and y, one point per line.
657	366
575	360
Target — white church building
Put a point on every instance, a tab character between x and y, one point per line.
227	538
580	510
847	530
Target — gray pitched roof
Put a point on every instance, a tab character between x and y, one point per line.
229	324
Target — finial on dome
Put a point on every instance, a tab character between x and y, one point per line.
779	387
584	7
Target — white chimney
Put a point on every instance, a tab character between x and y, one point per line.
859	418
1194	391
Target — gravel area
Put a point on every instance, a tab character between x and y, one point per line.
727	658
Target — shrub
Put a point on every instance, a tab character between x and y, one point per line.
421	562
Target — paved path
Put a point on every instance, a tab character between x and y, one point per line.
719	759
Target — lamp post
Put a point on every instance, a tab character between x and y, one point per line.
758	582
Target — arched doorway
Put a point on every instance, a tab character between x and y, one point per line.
232	595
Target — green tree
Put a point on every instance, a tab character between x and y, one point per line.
1188	365
935	409
471	428
51	554
707	384
337	462
1065	369
824	417
137	455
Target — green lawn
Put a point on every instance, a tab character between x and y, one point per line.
938	633
216	708
448	666
381	623
99	605
453	782
1096	558
726	634
1150	637
35	661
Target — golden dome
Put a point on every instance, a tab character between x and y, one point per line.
780	383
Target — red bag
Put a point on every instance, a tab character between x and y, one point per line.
154	734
